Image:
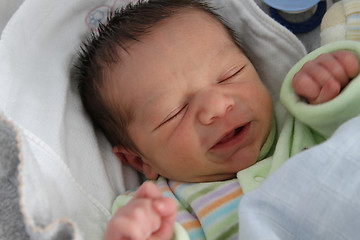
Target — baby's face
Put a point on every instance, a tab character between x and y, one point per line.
201	113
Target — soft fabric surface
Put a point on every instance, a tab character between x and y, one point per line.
12	225
318	197
7	10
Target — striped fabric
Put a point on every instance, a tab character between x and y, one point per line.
352	13
206	210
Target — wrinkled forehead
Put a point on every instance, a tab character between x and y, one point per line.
143	65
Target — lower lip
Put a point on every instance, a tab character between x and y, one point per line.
236	140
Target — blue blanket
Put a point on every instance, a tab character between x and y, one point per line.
315	195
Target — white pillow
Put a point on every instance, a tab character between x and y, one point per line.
6	11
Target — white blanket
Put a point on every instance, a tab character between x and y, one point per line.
68	174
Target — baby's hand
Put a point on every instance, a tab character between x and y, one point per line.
322	79
148	215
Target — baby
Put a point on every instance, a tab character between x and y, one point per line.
174	92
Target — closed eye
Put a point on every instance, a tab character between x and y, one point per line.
232	73
174	114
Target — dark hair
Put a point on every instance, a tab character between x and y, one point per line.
99	53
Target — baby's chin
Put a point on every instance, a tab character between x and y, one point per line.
206	178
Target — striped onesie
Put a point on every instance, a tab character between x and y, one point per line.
205	210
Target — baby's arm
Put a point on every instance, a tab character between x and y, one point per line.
322	79
148	215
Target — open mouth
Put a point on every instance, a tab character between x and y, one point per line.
233	137
230	135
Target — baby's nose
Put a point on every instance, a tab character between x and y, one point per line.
213	105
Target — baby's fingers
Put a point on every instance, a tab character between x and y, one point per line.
148	190
329	91
166	208
137	220
349	62
313	91
322	78
332	66
305	86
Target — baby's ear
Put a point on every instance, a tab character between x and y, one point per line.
128	157
134	160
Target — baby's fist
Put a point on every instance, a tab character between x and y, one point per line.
322	79
148	215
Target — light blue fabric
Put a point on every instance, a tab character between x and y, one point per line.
314	195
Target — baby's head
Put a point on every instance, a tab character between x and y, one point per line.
174	93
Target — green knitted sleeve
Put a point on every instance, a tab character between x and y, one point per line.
327	117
